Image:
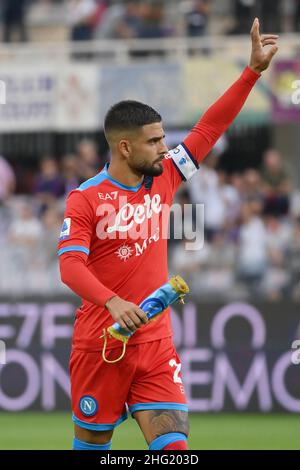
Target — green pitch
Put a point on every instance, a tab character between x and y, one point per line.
54	431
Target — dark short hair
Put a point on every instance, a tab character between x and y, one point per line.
129	115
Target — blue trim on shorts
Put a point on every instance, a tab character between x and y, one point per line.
162	441
158	406
81	445
98	427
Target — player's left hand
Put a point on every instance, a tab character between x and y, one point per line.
260	58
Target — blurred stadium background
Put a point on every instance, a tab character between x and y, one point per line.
64	63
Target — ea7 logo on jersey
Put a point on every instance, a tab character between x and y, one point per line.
65	230
112	196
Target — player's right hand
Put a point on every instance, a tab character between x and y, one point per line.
129	316
261	59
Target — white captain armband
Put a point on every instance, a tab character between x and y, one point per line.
184	162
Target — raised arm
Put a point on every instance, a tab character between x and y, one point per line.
221	114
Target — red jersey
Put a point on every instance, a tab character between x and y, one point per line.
114	237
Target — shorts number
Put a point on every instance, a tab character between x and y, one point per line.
176	377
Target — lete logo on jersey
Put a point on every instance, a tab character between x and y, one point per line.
65	230
138	213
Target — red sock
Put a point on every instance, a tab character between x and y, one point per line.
178	445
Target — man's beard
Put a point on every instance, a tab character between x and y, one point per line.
147	169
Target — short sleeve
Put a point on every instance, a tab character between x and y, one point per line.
77	227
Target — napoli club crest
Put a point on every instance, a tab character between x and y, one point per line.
88	405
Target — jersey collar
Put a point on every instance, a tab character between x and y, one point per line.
120	185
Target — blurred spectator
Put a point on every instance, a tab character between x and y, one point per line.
276	184
205	189
120	20
252	185
70	172
133	19
237	181
26	230
23	251
130	24
29	250
89	160
152	16
7	188
7	180
231	199
51	221
49	183
97	18
222	255
81	15
51	225
13	14
270	15
278	236
196	18
294	260
252	249
244	12
189	263
218	278
296	16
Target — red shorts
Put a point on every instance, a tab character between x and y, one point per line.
147	378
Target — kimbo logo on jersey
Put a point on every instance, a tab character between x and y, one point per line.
88	405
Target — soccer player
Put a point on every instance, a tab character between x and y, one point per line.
113	255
